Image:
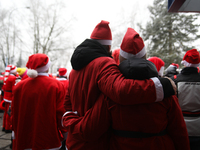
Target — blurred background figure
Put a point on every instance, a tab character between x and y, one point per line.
62	77
188	87
8	84
159	63
172	70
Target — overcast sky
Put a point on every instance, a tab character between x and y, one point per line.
90	12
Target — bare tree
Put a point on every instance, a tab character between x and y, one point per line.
49	30
8	37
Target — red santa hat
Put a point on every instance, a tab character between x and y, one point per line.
132	45
10	69
102	33
159	63
191	58
37	63
62	71
174	65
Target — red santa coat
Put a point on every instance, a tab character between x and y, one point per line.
8	87
37	109
143	118
103	75
95	72
64	81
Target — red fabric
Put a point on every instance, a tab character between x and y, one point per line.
7	118
192	56
102	31
2	105
24	77
37	109
37	60
176	65
157	61
62	71
103	75
147	118
65	82
132	43
115	55
151	118
9	83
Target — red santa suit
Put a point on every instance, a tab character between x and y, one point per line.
88	80
37	108
95	72
63	77
9	83
155	126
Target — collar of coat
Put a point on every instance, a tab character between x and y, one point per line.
189	70
87	51
138	68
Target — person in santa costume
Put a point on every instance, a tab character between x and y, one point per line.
37	108
8	84
188	85
171	70
159	63
95	72
63	77
152	126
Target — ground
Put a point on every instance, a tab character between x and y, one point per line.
5	138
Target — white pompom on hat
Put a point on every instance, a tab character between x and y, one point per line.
132	45
191	58
159	63
102	33
37	63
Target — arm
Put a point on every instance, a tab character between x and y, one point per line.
176	126
113	84
92	125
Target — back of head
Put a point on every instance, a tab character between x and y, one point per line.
191	58
102	33
138	69
132	45
159	63
62	72
37	63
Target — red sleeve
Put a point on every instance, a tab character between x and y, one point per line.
93	125
60	106
177	127
124	91
67	102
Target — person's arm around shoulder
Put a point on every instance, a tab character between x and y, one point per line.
128	91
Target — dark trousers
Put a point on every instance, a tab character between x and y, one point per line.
194	142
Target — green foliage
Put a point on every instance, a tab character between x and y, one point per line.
169	35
